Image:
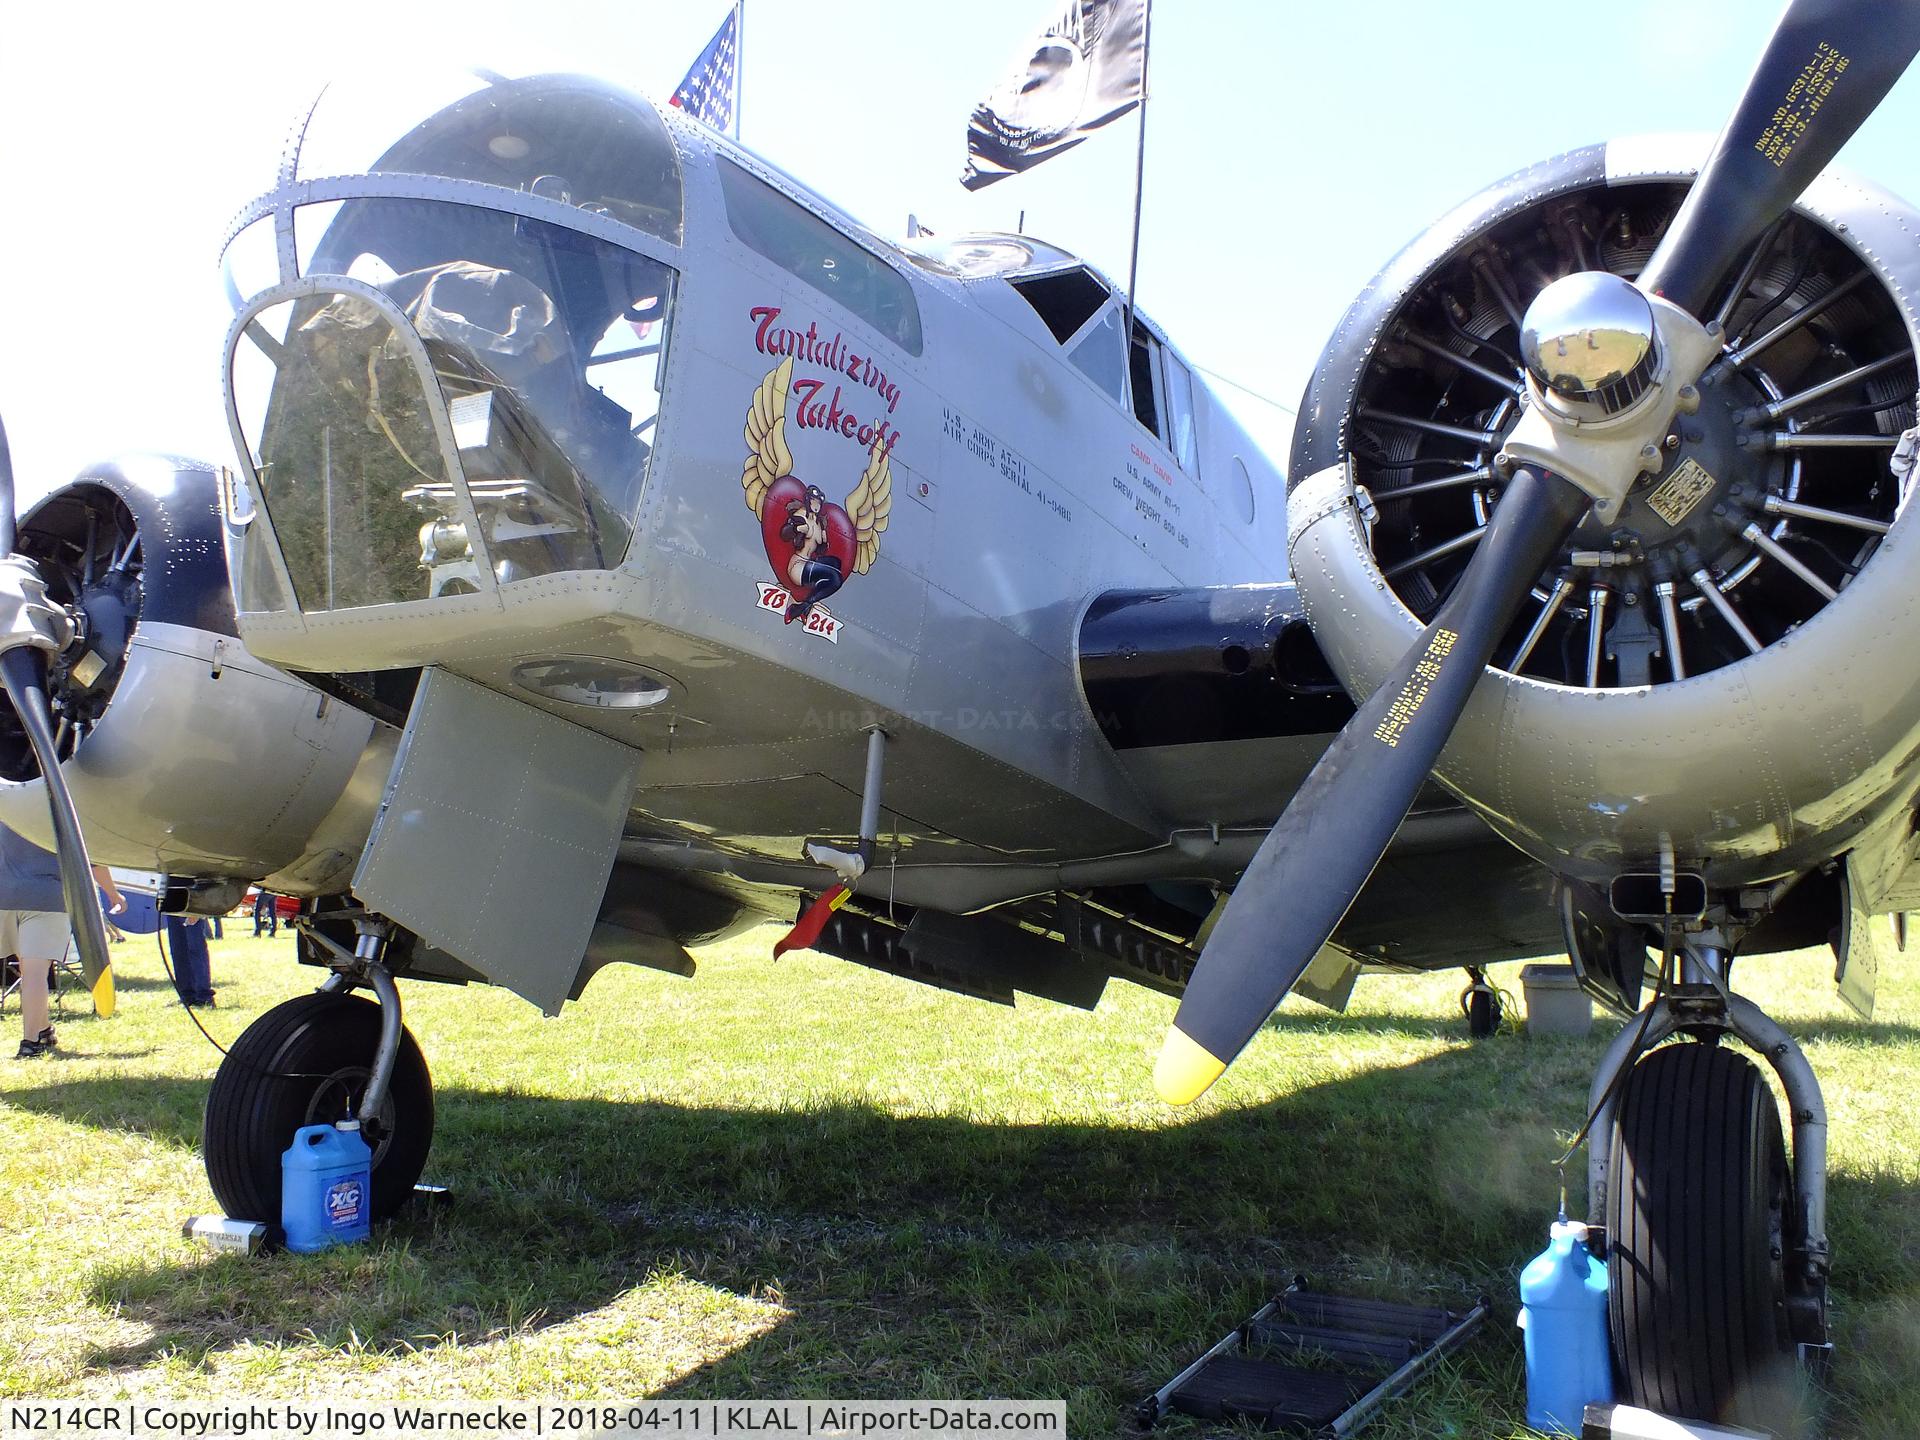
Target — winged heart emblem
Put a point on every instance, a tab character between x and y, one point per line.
813	545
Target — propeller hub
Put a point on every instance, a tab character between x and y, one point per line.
1589	338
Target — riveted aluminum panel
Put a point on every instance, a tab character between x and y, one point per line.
496	835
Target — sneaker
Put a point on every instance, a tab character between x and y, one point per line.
41	1044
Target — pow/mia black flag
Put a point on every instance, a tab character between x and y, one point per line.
1087	67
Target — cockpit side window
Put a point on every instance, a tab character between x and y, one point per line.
1144	375
829	260
1181	438
1100	356
1066	301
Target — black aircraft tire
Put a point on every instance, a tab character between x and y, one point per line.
1483	1013
296	1065
1696	1193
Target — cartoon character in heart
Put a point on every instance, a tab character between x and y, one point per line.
810	542
813	545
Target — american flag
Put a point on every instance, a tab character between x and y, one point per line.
710	90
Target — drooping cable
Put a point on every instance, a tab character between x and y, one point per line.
1633	1055
160	942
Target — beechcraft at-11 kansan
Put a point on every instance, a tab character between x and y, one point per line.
626	548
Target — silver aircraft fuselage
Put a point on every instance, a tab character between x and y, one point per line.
1021	487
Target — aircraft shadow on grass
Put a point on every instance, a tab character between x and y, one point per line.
898	1246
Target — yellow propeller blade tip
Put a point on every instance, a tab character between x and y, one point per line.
103	994
1185	1069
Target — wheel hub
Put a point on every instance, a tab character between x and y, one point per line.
337	1097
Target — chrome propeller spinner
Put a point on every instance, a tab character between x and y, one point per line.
1590	339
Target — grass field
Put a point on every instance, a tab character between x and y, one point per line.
808	1180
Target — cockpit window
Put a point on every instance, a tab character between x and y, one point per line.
1101	356
1181	437
800	242
1066	301
566	137
1143	375
547	350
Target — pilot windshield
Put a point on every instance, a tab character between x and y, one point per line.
546	345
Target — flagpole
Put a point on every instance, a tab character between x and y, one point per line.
739	59
1140	159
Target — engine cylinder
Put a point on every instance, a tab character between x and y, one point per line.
1724	669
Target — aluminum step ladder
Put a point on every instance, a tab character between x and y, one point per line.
1314	1363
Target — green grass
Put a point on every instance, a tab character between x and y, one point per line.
808	1180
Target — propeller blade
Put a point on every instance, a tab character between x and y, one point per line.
23	670
6	494
1829	63
1321	851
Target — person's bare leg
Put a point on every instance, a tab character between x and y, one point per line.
33	997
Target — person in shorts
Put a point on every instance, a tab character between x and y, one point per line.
33	927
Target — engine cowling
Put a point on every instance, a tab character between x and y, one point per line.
184	753
1726	669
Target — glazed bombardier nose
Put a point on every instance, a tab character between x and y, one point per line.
1589	338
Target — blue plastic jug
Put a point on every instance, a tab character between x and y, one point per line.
326	1187
1563	1309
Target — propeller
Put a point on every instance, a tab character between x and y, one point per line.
32	630
1828	64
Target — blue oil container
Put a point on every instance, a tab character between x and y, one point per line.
1563	1309
326	1187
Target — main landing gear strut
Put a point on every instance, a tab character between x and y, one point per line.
1717	1250
314	1060
1480	1003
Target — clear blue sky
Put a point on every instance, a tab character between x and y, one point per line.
1291	148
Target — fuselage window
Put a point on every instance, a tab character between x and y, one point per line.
800	242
